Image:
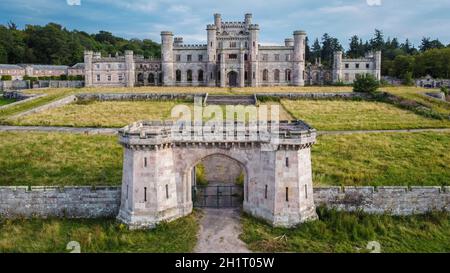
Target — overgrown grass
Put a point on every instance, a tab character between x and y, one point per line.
351	232
59	159
416	159
99	235
4	101
111	113
357	115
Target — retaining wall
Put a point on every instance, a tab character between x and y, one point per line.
89	202
137	96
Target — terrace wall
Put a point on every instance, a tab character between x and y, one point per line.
88	202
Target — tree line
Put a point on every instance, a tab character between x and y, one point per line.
400	60
54	44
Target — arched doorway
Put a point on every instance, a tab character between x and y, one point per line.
233	79
218	182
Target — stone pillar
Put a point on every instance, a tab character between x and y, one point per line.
88	76
337	67
254	51
223	75
167	58
212	51
299	58
130	68
377	68
242	68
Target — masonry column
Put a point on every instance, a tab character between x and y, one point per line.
241	68
130	68
223	75
254	50
299	57
88	68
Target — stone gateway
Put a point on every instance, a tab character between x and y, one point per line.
158	172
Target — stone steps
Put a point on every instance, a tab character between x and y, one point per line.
230	100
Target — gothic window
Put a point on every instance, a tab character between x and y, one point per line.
265	75
98	78
357	66
288	75
246	75
178	75
367	66
141	77
218	75
277	57
178	57
151	78
245	57
200	58
232	44
232	56
276	75
200	75
246	44
189	58
189	75
346	65
109	78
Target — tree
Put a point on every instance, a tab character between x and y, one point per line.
329	46
356	48
316	50
377	42
366	83
428	44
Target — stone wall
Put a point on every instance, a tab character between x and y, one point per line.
71	202
136	96
14	85
51	105
88	202
221	169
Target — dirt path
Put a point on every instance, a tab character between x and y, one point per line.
219	232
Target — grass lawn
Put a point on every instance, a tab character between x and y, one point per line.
108	114
331	115
4	101
416	159
96	235
350	232
59	159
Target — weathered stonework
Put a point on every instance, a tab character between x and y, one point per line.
158	171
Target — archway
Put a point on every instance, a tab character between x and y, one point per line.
218	182
233	79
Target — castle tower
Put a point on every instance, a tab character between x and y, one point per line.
299	57
337	66
248	20
167	57
212	51
377	68
254	50
218	21
130	68
88	81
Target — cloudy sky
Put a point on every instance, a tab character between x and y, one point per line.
277	18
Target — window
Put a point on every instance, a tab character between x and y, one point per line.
346	65
246	75
287	161
232	56
218	75
109	78
167	191
145	194
232	44
287	194
98	78
306	191
265	192
367	66
97	66
145	162
254	44
189	75
265	57
288	57
200	75
108	66
276	75
245	57
347	77
178	58
189	58
200	58
357	66
246	44
151	78
265	75
277	57
254	75
178	75
287	76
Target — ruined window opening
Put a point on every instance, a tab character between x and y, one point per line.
189	75
167	191
178	75
145	162
265	192
287	194
306	191
287	161
145	194
200	75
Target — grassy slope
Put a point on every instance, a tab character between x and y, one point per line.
96	235
357	115
382	159
4	101
351	232
59	159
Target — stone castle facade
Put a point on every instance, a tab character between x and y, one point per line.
232	57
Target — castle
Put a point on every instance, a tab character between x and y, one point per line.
232	57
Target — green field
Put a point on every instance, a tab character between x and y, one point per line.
328	115
368	159
338	232
416	159
96	235
4	101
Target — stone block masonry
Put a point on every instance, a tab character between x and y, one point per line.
99	202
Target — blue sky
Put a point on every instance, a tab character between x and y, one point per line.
277	19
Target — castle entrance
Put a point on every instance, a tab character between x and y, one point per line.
233	79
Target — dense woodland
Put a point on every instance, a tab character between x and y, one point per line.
54	44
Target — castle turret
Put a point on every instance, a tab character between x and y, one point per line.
130	68
377	68
248	20
88	55
212	51
167	57
289	42
337	66
299	57
218	21
254	51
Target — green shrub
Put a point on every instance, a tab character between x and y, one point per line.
408	79
6	78
240	179
444	89
200	175
366	83
63	77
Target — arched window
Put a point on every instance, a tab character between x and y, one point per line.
178	75
151	78
245	57
265	75
189	75
288	75
140	77
200	75
276	75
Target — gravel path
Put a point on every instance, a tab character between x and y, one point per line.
219	232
